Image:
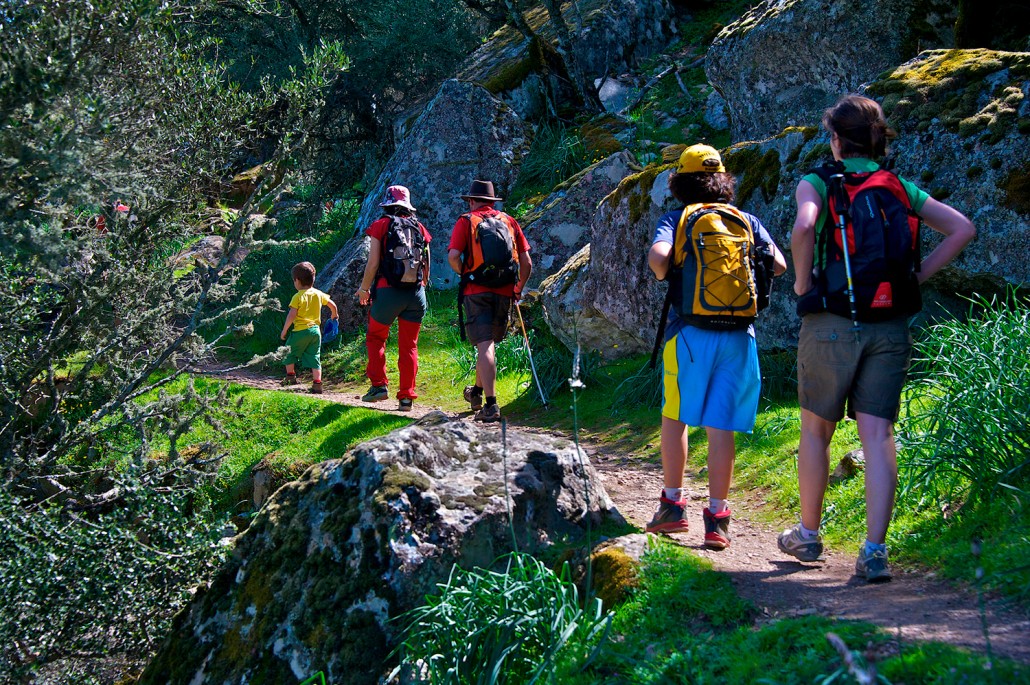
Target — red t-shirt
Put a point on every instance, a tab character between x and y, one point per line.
378	231
460	240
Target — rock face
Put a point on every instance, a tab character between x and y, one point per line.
333	557
606	298
560	226
340	279
784	62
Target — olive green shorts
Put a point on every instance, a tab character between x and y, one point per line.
305	347
861	371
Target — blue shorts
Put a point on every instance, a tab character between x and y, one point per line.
711	379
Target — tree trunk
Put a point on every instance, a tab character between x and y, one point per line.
585	92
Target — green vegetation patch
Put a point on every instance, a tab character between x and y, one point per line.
949	86
289	431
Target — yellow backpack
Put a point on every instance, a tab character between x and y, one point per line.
712	280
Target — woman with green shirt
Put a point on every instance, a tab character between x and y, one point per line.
849	363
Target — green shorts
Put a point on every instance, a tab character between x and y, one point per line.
305	348
864	371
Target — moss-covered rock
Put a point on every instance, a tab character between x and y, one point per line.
328	562
952	87
783	63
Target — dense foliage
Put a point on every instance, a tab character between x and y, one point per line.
508	626
115	130
966	437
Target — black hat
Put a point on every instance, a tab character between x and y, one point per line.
481	190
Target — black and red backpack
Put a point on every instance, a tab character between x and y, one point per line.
882	244
404	255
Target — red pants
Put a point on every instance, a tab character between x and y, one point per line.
407	354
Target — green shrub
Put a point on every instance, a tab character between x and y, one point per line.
79	580
965	437
509	626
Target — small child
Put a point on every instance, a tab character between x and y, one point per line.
306	315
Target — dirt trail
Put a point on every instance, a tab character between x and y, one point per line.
915	606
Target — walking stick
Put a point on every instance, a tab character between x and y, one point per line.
843	210
529	351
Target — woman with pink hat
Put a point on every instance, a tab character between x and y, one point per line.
394	281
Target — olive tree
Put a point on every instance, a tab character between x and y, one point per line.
117	124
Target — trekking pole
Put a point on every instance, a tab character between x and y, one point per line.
529	351
844	210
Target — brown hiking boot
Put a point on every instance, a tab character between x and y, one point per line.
316	387
490	413
474	396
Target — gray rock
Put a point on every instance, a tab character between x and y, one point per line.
332	558
560	226
785	61
606	299
610	37
717	114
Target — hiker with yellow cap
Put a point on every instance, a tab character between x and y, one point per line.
719	262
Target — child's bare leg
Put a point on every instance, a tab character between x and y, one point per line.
291	369
316	375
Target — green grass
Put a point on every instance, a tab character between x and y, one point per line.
686	624
290	430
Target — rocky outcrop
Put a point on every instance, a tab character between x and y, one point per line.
606	299
341	278
331	558
784	62
560	225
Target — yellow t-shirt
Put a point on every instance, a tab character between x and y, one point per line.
308	304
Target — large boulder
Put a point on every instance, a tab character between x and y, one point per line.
332	558
784	62
560	225
606	298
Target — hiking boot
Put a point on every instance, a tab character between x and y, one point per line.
671	517
377	393
474	396
290	379
490	412
316	387
790	542
717	529
406	404
873	567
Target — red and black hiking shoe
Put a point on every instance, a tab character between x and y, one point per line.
717	529
671	517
